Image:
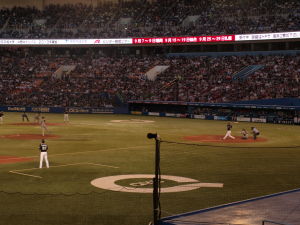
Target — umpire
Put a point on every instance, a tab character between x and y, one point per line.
24	116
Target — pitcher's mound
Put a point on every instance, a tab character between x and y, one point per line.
29	136
219	139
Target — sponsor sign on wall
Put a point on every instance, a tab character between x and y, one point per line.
243	119
153	113
199	117
40	109
15	109
220	118
259	120
56	109
102	110
171	114
136	113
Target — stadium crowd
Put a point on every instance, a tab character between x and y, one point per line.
151	18
35	78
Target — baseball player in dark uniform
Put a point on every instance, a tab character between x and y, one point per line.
44	155
37	118
24	116
228	133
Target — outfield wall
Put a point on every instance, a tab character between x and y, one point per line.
102	110
277	120
224	112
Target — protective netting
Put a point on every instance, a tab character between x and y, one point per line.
60	197
246	172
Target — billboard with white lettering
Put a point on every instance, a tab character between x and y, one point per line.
153	40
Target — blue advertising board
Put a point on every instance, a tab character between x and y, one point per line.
42	109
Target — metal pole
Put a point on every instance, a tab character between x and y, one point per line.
156	183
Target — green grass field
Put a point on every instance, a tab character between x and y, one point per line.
92	146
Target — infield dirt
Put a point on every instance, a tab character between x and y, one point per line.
13	159
219	139
29	136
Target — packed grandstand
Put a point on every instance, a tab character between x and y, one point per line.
95	79
85	77
150	18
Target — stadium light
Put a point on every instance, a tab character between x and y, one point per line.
151	135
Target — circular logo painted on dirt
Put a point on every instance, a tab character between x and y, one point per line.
132	121
109	183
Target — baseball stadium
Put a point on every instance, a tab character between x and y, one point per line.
139	112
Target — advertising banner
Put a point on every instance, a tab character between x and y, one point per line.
115	41
102	110
14	108
153	40
190	39
136	113
267	36
199	117
170	114
259	120
220	118
243	119
153	113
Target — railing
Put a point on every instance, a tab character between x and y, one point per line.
269	221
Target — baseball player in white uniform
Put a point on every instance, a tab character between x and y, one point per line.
228	133
66	116
1	117
244	134
255	132
44	155
43	125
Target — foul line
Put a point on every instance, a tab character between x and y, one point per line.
84	163
75	153
95	164
108	149
25	174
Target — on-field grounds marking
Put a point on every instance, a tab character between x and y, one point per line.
75	153
108	149
13	159
72	164
133	121
108	183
